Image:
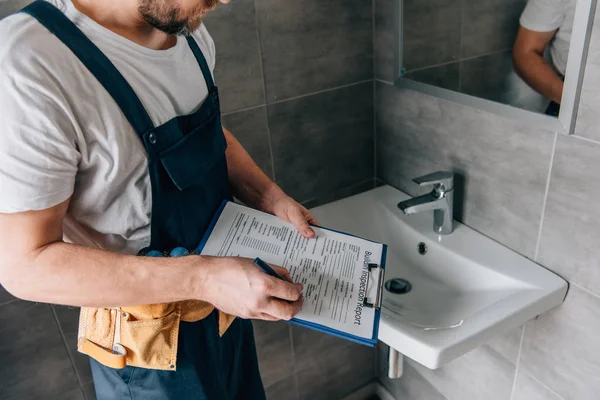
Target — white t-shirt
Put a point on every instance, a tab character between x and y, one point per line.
62	135
550	16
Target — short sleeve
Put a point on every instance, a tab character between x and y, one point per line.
38	151
543	15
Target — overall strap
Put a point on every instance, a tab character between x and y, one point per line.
95	61
201	61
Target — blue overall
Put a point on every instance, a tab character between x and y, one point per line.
188	173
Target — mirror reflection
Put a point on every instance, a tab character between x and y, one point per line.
509	51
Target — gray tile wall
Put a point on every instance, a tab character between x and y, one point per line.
296	86
532	190
460	45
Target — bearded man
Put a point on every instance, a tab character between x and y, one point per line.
111	151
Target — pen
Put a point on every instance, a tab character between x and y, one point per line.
267	269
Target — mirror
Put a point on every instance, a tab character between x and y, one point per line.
516	55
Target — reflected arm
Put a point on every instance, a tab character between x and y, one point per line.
529	62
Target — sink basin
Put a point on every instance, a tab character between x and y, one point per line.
446	294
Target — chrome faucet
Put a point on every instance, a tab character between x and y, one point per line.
440	200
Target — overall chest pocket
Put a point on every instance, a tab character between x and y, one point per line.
189	161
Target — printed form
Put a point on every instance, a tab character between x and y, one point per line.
332	267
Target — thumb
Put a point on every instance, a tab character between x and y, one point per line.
296	217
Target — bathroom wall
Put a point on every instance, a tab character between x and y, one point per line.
296	80
530	189
466	46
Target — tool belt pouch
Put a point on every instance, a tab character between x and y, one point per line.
140	336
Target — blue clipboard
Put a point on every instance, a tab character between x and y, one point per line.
372	342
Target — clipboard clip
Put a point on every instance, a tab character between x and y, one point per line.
375	274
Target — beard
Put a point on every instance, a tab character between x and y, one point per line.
171	19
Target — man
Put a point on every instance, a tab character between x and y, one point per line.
111	139
545	23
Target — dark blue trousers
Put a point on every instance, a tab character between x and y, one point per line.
209	367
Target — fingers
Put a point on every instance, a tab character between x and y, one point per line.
285	290
283	309
297	216
310	218
266	317
283	272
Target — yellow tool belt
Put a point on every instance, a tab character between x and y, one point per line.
140	336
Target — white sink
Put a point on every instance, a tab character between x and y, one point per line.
466	289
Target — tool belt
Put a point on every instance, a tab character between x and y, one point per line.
140	336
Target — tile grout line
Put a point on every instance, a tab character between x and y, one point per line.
300	96
584	139
8	302
244	109
514	386
460	46
294	361
384	81
264	85
71	358
460	60
357	184
544	385
374	130
588	291
545	201
373	5
321	91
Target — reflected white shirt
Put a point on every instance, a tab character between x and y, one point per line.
550	16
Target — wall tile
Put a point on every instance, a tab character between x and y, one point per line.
421	383
68	318
35	363
502	166
5	297
274	347
528	388
89	391
479	374
384	40
341	194
570	235
491	77
561	347
489	25
283	390
411	386
588	117
444	76
238	71
324	142
328	367
431	32
75	394
313	45
250	127
507	345
8	7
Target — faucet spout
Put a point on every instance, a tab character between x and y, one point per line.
427	202
440	200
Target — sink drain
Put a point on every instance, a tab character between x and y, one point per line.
398	286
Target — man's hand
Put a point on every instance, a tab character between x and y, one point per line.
238	287
276	202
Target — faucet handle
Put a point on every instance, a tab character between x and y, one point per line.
444	180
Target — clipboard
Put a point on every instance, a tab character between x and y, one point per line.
373	291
